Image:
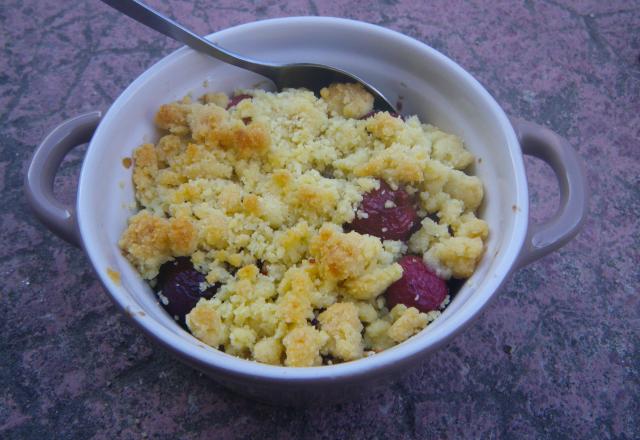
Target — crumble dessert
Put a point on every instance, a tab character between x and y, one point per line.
299	230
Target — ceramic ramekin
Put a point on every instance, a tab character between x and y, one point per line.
430	85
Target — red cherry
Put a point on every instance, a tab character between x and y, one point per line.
388	214
419	287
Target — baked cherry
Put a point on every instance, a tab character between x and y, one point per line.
234	100
419	287
385	213
179	287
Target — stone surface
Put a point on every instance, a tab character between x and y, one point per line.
556	355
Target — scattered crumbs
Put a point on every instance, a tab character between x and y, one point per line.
141	313
479	160
389	204
114	275
416	298
361	214
127	162
369	353
385	229
399	103
515	208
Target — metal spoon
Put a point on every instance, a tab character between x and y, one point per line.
296	75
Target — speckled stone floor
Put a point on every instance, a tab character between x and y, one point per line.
556	355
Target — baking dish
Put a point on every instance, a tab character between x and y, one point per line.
425	81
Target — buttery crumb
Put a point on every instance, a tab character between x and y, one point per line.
114	275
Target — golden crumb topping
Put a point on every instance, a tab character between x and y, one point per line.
342	324
348	100
258	196
408	323
303	345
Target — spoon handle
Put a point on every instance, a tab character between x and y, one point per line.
155	20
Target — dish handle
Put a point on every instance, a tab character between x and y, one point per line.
543	238
46	160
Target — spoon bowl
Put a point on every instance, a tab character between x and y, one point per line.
316	76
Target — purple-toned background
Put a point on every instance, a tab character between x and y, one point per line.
556	355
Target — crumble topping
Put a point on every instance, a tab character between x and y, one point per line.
258	194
